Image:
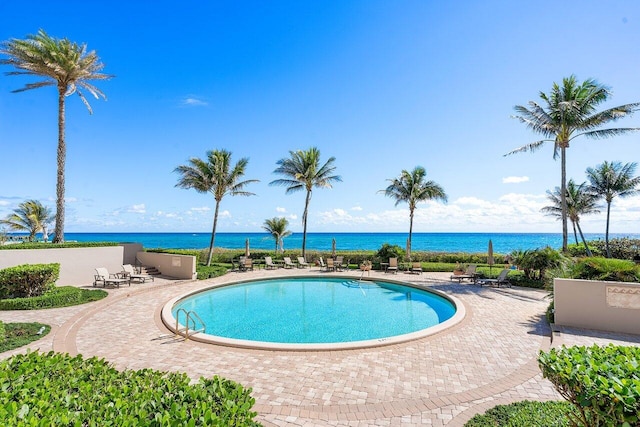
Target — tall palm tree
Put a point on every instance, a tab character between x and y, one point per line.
412	188
611	179
30	216
277	227
567	112
70	68
303	172
215	175
580	201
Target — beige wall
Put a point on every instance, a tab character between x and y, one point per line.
77	265
178	266
606	306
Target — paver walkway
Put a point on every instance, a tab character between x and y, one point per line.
488	359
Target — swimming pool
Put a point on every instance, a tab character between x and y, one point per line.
315	312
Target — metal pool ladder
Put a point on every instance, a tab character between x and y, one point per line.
189	316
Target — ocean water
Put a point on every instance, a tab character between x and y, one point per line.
441	242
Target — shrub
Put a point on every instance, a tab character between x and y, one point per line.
536	262
602	383
525	413
62	296
28	280
387	251
621	248
609	269
57	389
3	332
44	245
205	272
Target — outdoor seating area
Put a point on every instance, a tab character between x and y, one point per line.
500	281
103	276
470	274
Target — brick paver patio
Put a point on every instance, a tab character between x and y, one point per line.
488	359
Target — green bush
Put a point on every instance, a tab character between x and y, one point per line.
205	272
28	280
43	245
621	248
602	383
57	389
62	296
3	332
608	269
521	414
387	251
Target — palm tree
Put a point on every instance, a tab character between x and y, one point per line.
30	216
580	201
303	172
411	187
69	67
215	175
611	179
569	111
277	227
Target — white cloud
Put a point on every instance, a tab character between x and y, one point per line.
193	101
356	208
293	217
224	214
4	203
281	210
515	179
139	209
202	209
70	199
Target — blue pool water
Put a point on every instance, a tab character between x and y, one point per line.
316	310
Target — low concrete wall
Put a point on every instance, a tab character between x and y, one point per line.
178	266
77	265
590	304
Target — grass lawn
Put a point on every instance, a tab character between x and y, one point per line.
525	413
19	334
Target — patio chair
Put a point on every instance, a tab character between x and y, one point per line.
288	263
102	275
128	272
340	263
393	265
268	263
248	264
469	274
331	265
499	281
416	267
302	263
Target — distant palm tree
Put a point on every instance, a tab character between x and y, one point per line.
411	187
277	227
215	175
611	179
30	216
303	172
67	66
580	201
569	111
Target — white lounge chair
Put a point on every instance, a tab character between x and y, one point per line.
416	267
102	275
302	263
470	273
393	265
128	272
499	281
288	263
268	263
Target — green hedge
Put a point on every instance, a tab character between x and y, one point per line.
28	280
621	248
43	245
608	269
523	414
57	389
61	296
602	383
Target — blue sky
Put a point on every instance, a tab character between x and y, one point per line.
381	86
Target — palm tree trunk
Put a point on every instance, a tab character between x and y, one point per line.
606	234
575	234
563	197
410	227
62	150
213	232
586	247
304	223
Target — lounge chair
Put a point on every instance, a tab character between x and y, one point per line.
340	263
102	275
302	263
288	263
416	267
499	281
469	274
247	264
128	272
393	265
268	263
331	265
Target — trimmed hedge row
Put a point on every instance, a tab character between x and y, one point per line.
42	245
57	389
28	280
602	383
62	296
524	413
